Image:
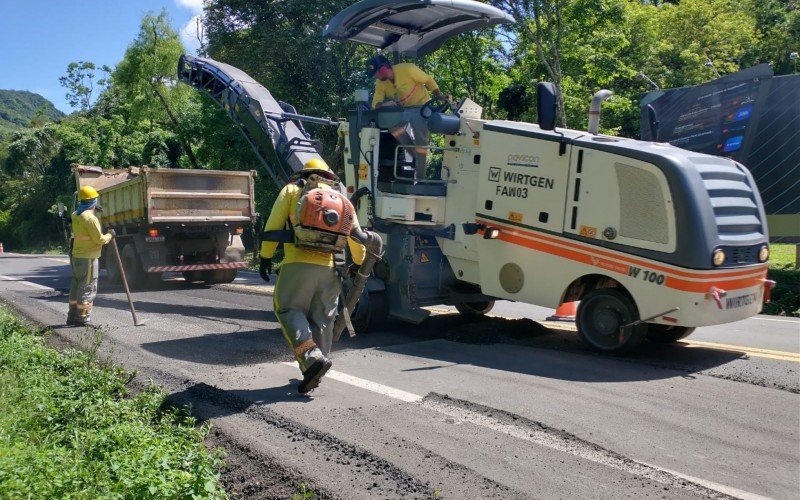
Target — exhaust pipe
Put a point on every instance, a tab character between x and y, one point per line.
374	245
594	110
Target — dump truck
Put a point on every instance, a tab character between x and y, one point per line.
651	240
173	220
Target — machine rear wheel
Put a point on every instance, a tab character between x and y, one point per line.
601	314
666	334
475	308
371	310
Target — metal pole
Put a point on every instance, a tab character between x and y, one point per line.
124	281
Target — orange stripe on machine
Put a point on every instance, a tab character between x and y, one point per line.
689	281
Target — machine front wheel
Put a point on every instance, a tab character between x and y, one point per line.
475	308
601	315
666	334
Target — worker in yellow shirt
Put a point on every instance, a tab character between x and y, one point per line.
405	85
87	243
308	288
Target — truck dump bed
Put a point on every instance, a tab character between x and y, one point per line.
147	196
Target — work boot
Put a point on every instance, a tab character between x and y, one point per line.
313	375
73	312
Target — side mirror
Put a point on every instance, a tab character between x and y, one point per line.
546	105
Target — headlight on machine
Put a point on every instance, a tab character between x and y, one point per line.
763	254
718	258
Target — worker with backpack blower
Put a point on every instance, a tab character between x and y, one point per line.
320	219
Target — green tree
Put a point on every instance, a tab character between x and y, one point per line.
777	23
80	83
146	80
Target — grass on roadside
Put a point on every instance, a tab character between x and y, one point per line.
786	295
70	429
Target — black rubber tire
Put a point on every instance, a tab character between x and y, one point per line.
193	276
601	313
666	334
475	308
371	310
132	266
113	275
219	276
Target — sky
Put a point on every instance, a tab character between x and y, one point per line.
39	38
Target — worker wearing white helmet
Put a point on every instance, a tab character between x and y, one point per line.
308	287
87	243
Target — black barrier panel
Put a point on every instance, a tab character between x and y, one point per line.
749	116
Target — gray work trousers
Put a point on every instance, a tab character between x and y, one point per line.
305	300
414	133
82	289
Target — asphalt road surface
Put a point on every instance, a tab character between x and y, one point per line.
507	406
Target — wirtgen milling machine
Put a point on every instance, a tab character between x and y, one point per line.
652	240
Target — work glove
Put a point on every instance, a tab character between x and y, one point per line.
265	269
353	268
112	233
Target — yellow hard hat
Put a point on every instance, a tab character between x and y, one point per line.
87	193
316	164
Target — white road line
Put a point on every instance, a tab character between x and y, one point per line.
796	321
728	490
63	261
540	437
28	283
371	386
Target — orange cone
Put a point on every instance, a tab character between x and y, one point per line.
1	248
565	312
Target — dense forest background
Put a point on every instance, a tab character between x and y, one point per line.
137	114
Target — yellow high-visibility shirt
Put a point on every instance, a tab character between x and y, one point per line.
284	210
89	238
411	86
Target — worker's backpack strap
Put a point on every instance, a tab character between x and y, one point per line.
279	235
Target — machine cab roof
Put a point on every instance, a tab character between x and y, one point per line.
411	27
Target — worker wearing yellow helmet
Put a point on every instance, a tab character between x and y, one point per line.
87	242
308	287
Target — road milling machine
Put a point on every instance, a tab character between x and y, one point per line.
651	239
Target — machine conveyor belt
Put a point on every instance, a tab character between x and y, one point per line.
280	142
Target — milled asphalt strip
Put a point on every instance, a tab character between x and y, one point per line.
541	435
28	283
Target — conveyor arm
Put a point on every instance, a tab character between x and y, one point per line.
271	127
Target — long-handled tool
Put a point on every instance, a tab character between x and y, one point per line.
125	282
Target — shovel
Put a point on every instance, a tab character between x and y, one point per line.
125	281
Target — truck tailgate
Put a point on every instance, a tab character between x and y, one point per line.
199	195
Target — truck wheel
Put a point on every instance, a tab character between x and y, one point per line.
666	334
219	276
112	268
133	268
192	276
600	315
475	308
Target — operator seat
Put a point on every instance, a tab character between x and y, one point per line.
402	183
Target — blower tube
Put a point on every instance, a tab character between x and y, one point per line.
374	245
